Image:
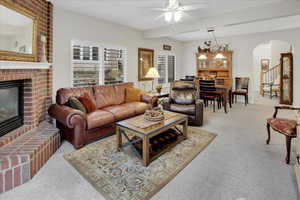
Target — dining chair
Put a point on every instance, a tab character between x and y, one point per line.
208	93
241	89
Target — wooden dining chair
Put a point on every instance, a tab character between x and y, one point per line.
241	88
287	127
208	93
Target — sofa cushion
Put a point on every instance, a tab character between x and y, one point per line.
76	104
120	112
105	96
185	109
132	95
120	91
99	118
88	102
138	107
63	94
183	96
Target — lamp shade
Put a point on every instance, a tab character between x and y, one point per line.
152	73
220	56
202	57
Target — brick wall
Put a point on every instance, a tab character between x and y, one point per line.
38	83
24	150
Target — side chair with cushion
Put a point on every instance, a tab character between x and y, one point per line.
241	88
287	127
183	99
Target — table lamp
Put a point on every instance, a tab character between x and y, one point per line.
152	73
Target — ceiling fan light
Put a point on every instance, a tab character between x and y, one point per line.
177	16
168	16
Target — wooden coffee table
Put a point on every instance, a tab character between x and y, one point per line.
127	126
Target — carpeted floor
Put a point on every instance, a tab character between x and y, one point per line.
121	175
237	165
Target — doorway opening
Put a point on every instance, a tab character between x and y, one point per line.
266	71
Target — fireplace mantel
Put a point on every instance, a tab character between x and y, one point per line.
24	65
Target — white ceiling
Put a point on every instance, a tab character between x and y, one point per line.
139	15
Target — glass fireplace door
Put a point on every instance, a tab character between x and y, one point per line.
11	105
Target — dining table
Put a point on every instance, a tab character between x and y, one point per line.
226	92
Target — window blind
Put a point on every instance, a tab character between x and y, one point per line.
86	65
166	68
161	68
114	65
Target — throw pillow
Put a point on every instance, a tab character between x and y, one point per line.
183	96
88	102
76	104
132	95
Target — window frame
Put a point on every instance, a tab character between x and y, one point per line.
101	47
166	54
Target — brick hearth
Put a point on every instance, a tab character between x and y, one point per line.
23	157
24	150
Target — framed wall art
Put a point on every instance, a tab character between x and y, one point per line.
145	62
265	64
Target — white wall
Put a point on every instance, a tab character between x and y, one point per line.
278	47
242	47
69	26
262	51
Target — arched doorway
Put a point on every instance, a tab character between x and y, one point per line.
266	71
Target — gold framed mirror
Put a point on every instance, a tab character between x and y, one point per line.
18	33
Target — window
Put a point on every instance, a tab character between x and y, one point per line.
95	64
166	68
114	62
86	65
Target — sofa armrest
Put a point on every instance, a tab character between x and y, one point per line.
73	119
149	99
66	115
199	112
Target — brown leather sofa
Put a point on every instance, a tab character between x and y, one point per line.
79	128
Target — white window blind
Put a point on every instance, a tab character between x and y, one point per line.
166	68
95	64
115	60
86	65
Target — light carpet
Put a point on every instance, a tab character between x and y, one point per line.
121	176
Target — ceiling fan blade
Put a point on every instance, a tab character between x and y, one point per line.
193	7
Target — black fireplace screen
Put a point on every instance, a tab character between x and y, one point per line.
11	105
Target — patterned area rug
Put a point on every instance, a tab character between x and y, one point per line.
121	176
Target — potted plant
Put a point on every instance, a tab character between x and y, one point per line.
158	88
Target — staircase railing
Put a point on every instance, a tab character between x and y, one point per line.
269	78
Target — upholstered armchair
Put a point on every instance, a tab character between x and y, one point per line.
287	127
184	99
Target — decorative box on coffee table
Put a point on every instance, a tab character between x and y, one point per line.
152	139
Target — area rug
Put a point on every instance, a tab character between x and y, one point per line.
121	176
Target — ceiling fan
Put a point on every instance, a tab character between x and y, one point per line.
174	10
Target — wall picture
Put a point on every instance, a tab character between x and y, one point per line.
146	61
265	64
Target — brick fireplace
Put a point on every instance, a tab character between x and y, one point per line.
37	98
24	150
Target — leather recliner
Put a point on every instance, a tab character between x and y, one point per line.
184	99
